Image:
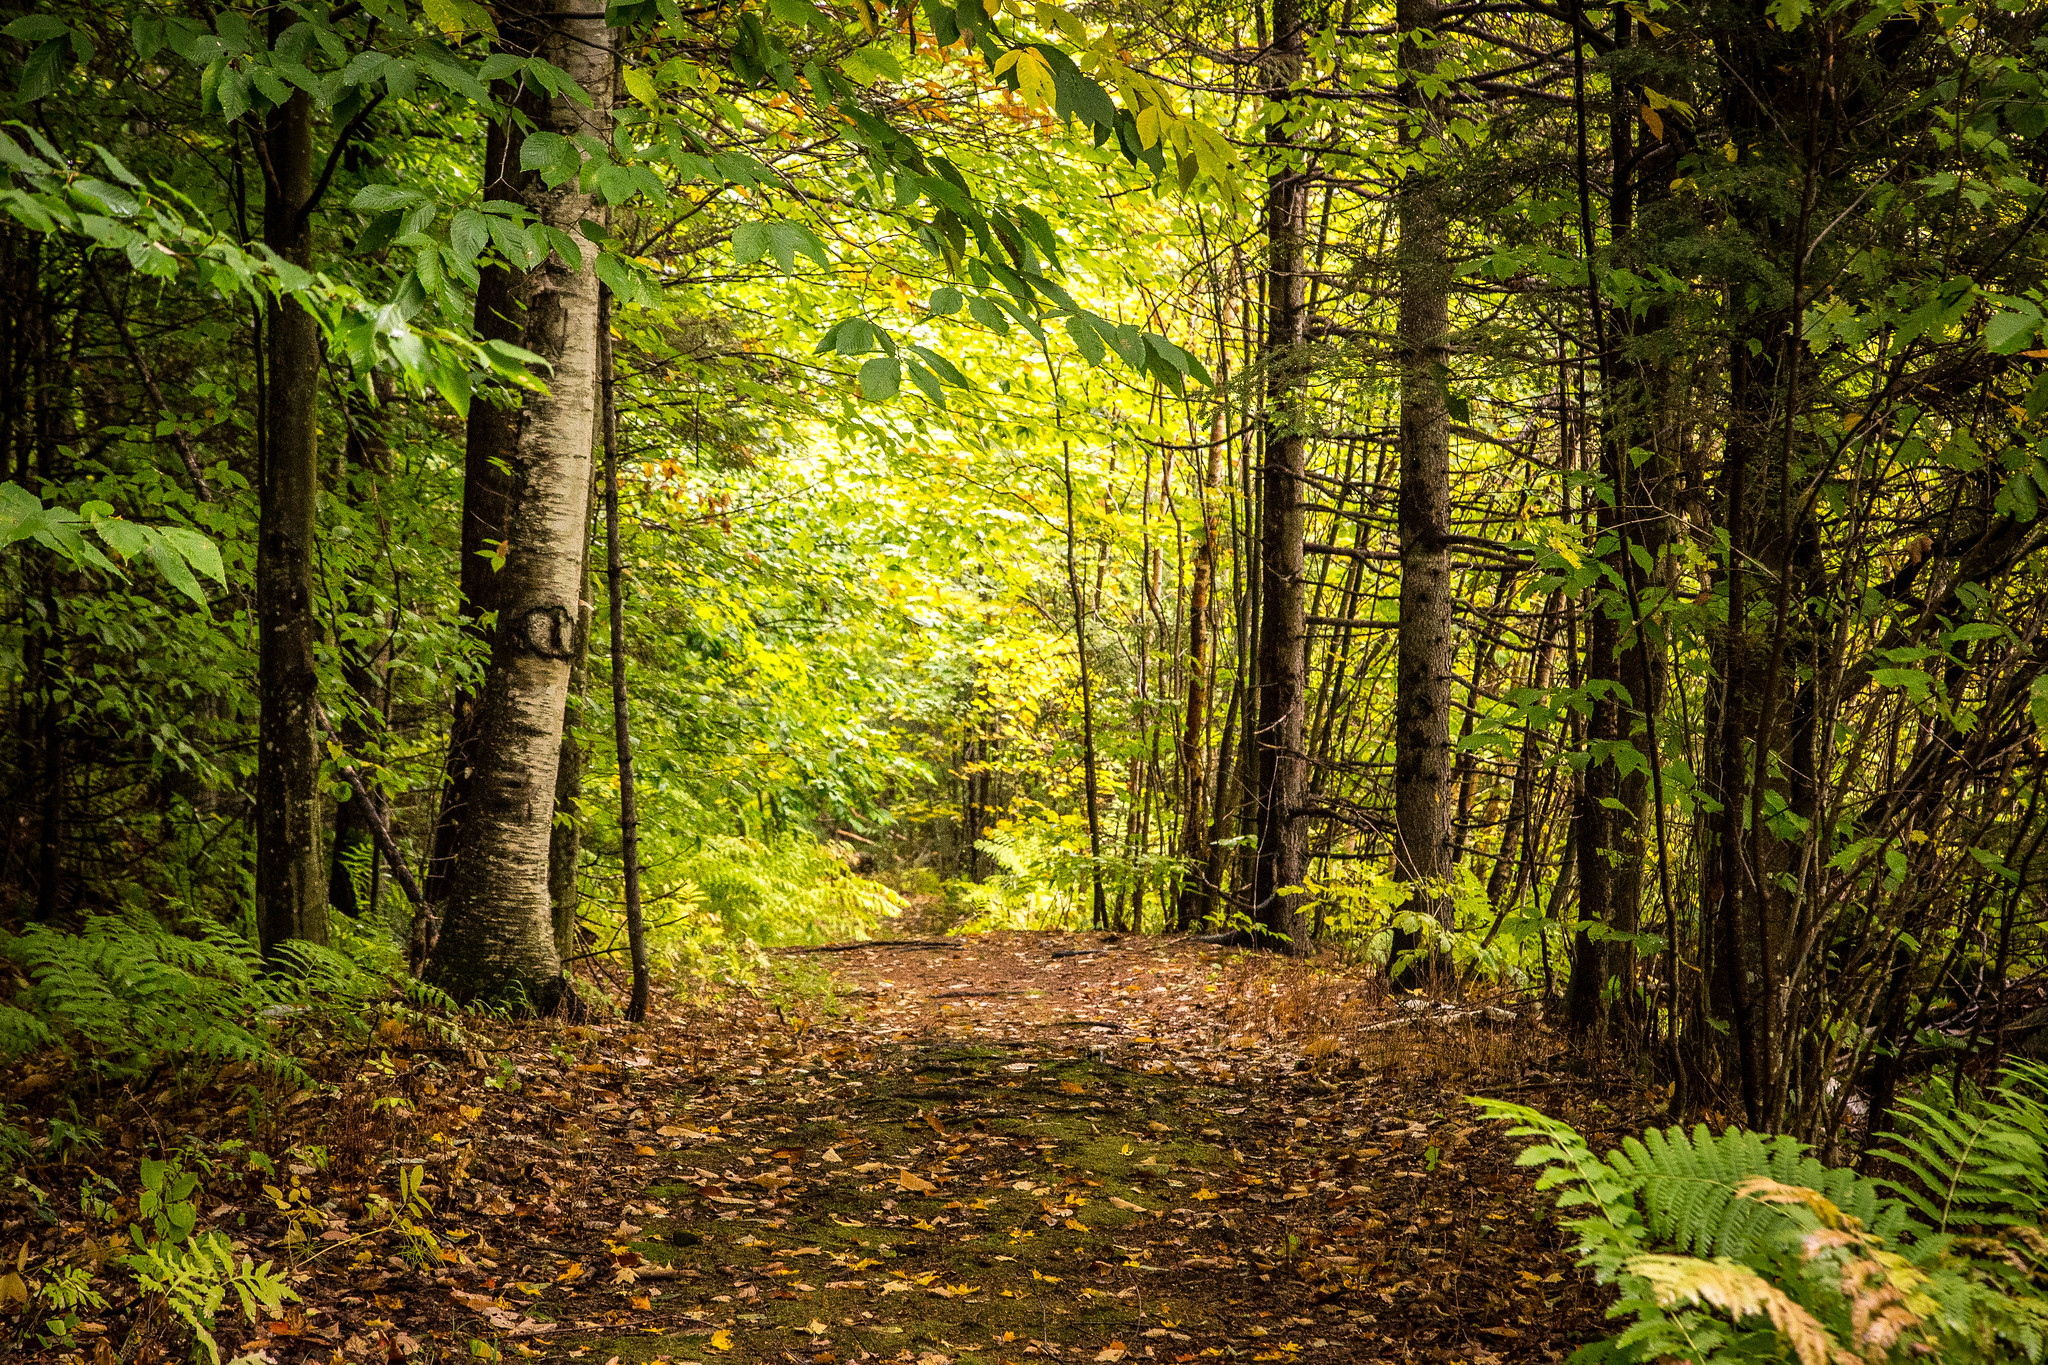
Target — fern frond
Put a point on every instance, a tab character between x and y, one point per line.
1740	1292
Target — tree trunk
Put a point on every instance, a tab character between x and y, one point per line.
490	443
1099	906
367	458
1282	694
622	730
1195	894
1425	650
291	893
497	942
565	840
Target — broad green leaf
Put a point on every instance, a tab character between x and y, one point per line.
880	379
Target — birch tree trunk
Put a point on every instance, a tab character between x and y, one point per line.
490	440
1424	649
498	940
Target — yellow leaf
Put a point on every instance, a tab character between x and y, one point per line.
640	85
1076	1225
572	1271
1206	1193
916	1184
641	1302
444	15
1148	125
1655	120
721	1340
1074	1088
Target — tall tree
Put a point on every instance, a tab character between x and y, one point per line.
497	940
1426	651
1282	694
490	442
291	892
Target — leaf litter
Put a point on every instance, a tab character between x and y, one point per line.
1025	1146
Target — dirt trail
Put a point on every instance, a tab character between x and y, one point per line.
1067	1147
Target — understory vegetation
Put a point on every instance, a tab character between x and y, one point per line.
551	511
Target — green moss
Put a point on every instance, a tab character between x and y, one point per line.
1079	1131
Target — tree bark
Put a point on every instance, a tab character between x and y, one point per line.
622	730
490	443
497	942
1099	905
1195	894
565	839
1282	695
1424	647
291	892
367	458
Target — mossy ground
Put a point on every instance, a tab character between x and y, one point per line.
1025	1240
1065	1148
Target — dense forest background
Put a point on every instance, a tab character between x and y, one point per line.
1530	495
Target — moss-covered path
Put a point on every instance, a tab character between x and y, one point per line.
1023	1146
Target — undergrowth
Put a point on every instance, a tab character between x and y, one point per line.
123	997
1734	1247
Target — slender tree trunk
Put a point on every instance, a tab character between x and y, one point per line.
622	730
498	941
291	892
367	458
1282	693
1425	650
565	840
1195	894
1099	905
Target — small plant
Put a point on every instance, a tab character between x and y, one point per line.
193	1273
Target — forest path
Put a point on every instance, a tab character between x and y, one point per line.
1017	1146
1093	1148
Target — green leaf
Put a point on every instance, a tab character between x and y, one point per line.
1086	340
43	72
37	28
2013	332
927	382
782	241
469	234
175	569
541	150
880	379
946	300
198	551
384	198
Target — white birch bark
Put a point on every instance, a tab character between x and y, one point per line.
498	941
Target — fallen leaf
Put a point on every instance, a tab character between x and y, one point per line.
914	1183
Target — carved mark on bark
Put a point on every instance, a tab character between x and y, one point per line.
547	631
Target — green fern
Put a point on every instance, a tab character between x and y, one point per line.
1779	1256
1976	1163
1691	1189
124	993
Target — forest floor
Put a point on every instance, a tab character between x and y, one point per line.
1010	1146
